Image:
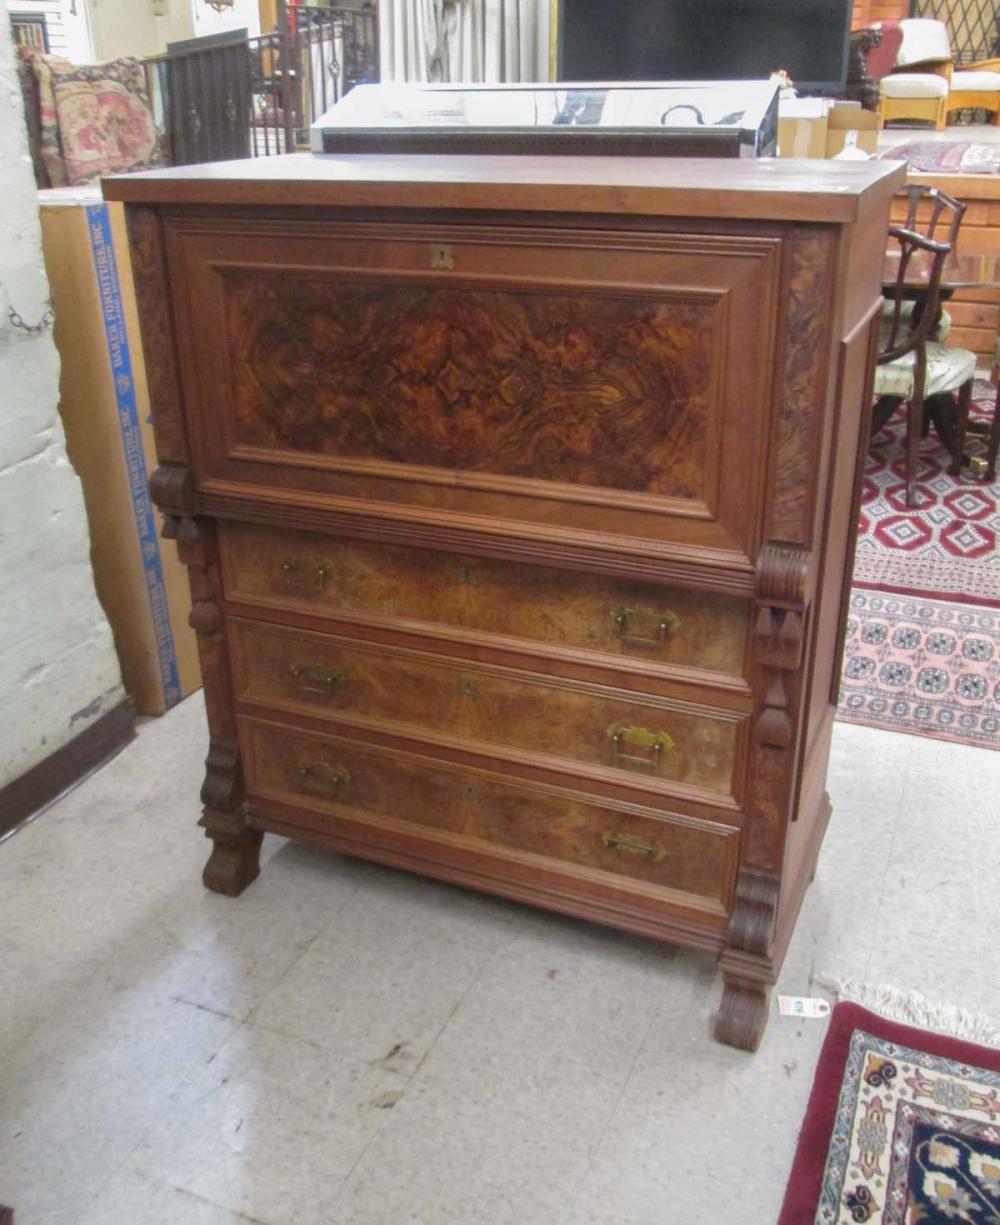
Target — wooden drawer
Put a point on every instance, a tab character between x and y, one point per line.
574	381
444	593
667	746
472	809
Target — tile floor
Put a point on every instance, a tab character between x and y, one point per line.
349	1045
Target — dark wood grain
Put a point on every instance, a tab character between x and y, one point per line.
559	408
540	603
597	391
152	291
414	693
809	272
690	857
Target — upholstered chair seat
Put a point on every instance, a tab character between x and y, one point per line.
947	369
914	85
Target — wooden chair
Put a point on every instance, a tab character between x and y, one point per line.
918	85
911	366
937	216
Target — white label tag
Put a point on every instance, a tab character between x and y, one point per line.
801	1006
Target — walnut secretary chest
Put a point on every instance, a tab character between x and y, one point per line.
518	500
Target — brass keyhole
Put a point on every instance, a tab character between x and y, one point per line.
467	688
442	256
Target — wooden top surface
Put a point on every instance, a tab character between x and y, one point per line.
778	189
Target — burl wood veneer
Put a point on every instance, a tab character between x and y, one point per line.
517	496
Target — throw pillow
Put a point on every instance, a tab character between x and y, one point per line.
95	118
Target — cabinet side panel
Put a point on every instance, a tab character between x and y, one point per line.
152	291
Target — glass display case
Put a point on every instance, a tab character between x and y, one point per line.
654	119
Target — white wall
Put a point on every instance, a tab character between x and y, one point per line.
58	668
66	22
244	15
137	27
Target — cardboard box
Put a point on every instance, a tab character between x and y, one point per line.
802	136
104	403
845	118
802	126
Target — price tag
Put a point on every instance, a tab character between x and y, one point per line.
802	1006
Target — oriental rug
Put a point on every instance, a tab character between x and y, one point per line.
946	547
922	650
946	156
902	1128
922	666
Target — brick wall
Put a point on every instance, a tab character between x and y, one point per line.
867	11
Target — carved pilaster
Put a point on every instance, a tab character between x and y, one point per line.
748	971
782	602
233	863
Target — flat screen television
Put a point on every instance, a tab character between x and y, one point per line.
705	40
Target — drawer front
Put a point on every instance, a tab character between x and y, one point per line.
618	383
338	776
355	580
662	745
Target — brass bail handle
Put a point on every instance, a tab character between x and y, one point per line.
320	778
315	678
632	844
657	743
305	572
645	625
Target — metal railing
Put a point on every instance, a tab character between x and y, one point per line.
231	96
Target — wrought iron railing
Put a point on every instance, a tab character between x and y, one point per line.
232	96
973	26
333	49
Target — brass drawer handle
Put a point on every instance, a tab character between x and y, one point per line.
306	573
320	778
316	678
658	743
658	626
633	844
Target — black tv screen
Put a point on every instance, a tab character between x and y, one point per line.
705	40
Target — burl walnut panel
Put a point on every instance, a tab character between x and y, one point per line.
690	857
355	580
587	390
554	380
565	720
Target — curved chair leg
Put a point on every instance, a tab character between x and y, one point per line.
961	428
993	446
914	425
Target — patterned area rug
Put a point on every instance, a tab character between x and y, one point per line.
923	634
922	666
947	546
902	1128
946	156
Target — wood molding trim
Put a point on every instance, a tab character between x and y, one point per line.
66	767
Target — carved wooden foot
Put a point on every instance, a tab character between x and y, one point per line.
744	1012
234	862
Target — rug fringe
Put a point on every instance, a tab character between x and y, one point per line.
913	1008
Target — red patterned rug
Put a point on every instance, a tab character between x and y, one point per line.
923	635
946	156
947	546
902	1128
